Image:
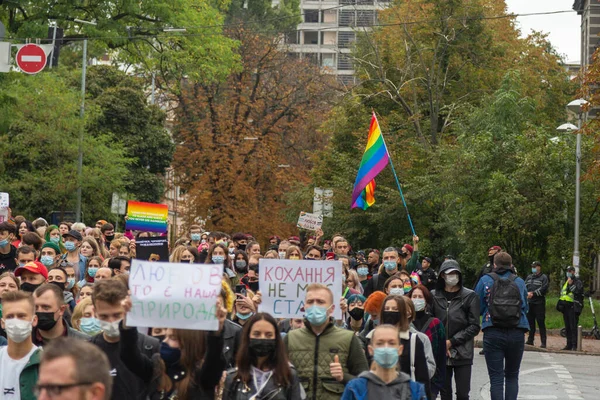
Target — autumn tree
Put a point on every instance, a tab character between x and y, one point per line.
244	142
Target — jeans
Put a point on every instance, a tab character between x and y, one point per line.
537	312
462	379
570	320
503	355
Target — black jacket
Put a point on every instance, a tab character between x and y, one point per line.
460	317
538	285
235	389
428	277
376	283
231	340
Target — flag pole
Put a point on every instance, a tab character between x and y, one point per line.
412	228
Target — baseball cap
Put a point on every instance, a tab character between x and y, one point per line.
427	259
495	248
570	268
33	266
536	264
74	234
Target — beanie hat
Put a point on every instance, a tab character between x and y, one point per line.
53	246
374	302
409	248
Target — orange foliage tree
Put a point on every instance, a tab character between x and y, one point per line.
242	143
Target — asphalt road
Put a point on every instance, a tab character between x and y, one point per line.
546	376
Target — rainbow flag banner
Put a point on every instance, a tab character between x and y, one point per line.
147	217
374	160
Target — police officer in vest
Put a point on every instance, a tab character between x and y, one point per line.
537	287
325	356
571	292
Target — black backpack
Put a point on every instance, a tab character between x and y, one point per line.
504	303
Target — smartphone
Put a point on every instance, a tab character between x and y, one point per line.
330	255
240	289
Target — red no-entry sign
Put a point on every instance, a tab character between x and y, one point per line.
31	58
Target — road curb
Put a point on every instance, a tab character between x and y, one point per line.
479	344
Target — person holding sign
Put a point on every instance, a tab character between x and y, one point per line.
325	356
264	370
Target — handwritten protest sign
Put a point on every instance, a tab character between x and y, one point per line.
283	284
308	221
174	295
147	217
4	204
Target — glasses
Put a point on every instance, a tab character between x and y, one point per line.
56	389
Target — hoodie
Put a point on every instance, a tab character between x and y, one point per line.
370	386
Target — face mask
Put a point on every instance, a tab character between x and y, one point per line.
357	314
396	291
3	242
451	280
92	271
362	271
294	258
569	275
55	240
70	246
109	238
231	250
111	329
262	347
253	286
91	326
29	287
386	357
316	315
160	338
46	320
195	237
61	285
47	260
170	355
240	265
390	317
282	255
70	283
242	247
17	330
243	317
22	264
218	259
389	265
534	270
203	241
419	304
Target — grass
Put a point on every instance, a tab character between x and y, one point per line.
554	319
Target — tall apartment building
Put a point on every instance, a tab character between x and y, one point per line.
329	30
590	28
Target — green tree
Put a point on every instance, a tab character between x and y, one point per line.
39	145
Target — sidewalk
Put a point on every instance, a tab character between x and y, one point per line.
555	344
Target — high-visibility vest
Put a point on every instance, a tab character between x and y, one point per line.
566	296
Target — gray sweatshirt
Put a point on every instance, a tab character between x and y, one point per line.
398	389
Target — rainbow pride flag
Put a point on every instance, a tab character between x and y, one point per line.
374	160
147	217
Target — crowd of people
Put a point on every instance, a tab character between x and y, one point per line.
407	332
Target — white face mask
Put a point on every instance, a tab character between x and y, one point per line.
282	255
451	280
111	329
419	304
18	330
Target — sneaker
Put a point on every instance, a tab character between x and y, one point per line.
543	346
482	352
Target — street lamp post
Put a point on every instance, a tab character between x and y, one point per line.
577	107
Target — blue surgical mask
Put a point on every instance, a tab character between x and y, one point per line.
389	265
569	275
218	259
92	272
91	326
386	357
47	260
419	304
70	246
3	242
243	317
55	240
196	237
22	264
70	283
362	271
397	291
316	315
534	270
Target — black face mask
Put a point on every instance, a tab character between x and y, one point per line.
29	287
357	313
46	320
390	317
242	247
109	238
160	338
61	285
253	286
262	347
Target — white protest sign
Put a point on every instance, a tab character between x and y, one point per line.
308	221
174	295
283	285
4	200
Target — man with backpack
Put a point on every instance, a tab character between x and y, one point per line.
503	305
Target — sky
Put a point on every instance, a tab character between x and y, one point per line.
564	29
